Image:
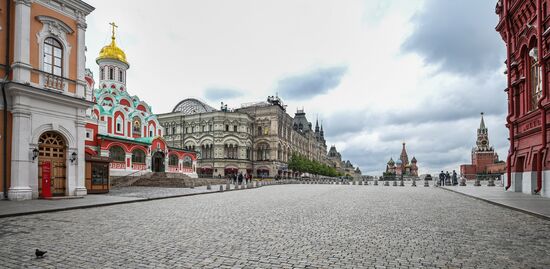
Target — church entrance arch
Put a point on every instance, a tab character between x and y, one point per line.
51	162
158	161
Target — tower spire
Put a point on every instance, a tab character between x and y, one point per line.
404	157
482	137
317	125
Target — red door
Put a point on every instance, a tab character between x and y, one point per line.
46	179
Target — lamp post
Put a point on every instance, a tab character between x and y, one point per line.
34	153
73	157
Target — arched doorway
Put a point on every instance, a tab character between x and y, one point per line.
52	153
158	161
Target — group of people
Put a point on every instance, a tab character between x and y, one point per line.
445	178
238	178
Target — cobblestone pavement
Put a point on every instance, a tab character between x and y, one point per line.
287	226
155	192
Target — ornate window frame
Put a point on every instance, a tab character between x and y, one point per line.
119	120
54	28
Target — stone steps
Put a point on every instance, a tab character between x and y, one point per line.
173	180
128	180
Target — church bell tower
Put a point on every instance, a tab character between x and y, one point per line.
482	137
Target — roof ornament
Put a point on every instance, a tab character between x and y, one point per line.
113	25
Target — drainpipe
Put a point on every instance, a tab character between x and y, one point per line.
5	102
511	111
543	97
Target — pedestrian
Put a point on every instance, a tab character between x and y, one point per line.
447	178
441	179
234	178
240	178
455	178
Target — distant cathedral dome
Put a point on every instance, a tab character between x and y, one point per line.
192	106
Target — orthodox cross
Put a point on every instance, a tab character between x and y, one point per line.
113	25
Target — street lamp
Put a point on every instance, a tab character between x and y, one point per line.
34	153
73	157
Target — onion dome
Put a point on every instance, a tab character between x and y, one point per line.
112	51
413	160
391	162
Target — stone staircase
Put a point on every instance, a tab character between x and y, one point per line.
128	180
173	180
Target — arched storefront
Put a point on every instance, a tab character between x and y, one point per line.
230	170
262	172
52	169
206	172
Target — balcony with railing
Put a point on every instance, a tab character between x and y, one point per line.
53	82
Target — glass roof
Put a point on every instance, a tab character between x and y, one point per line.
192	106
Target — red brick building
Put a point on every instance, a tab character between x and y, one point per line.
484	158
524	27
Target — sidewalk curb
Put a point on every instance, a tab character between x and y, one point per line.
137	200
538	215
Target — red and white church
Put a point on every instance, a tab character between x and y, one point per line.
123	136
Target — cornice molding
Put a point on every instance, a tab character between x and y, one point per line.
23	2
54	23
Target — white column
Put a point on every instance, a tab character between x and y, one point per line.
80	163
81	58
128	159
21	159
21	62
148	163
166	163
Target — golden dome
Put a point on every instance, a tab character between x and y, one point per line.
112	51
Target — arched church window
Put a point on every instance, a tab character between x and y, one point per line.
535	78
120	76
111	73
53	57
173	160
138	156
187	162
117	154
119	125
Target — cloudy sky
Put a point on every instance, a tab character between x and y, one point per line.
376	72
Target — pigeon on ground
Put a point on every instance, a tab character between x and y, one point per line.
39	253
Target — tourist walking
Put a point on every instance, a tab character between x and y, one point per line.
240	178
447	178
455	178
441	179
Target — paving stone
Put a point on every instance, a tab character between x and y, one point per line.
284	226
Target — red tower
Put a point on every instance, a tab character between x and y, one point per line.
484	158
524	27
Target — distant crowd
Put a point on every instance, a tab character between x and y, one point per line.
447	179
